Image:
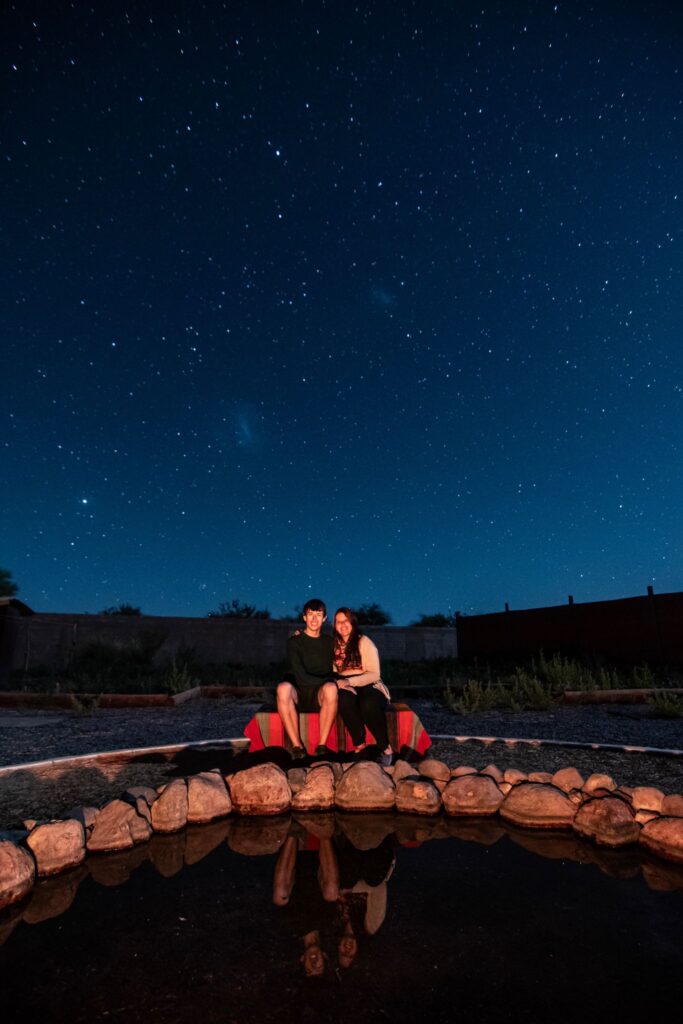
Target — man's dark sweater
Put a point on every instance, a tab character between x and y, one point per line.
310	659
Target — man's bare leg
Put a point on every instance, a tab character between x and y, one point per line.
286	708
328	700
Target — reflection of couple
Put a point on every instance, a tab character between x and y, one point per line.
354	880
334	673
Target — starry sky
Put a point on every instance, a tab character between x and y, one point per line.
371	302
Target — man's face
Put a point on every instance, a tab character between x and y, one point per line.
314	621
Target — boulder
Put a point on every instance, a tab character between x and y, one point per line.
317	794
86	815
494	772
147	793
472	795
647	798
57	846
433	769
118	826
545	778
296	777
463	769
365	787
402	769
207	798
642	817
17	873
608	821
538	805
568	779
169	810
672	805
514	776
505	787
664	837
598	781
260	790
418	796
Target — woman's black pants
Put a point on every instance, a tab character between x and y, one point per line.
365	707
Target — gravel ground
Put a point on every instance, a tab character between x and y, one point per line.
31	736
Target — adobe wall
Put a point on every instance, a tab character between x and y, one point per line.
48	639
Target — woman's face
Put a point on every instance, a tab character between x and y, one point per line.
343	626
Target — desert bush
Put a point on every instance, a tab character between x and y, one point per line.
666	705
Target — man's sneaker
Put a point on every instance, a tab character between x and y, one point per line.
298	753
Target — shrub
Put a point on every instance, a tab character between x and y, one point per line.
666	705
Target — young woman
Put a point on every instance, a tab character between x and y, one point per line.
363	697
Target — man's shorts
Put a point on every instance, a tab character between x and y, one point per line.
307	696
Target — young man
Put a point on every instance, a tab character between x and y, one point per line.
309	684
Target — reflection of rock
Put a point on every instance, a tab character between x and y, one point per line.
252	837
472	794
169	811
260	790
365	787
551	845
484	831
207	798
112	869
412	830
598	781
608	821
536	805
623	863
647	798
568	779
167	853
672	805
664	837
53	896
317	793
417	796
118	826
201	840
57	846
320	825
17	873
368	832
433	769
663	877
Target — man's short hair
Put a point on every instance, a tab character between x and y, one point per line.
315	605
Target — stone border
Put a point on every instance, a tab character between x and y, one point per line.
596	808
512	741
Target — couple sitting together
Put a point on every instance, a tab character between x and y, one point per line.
327	674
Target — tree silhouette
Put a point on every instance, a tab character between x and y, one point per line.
121	609
239	610
438	619
8	588
372	615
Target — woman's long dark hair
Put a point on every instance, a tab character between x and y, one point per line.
352	658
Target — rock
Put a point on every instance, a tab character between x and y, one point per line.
544	778
463	769
142	807
598	781
493	771
17	873
472	795
538	805
505	787
30	823
261	790
672	805
418	796
514	776
147	793
255	837
647	798
169	810
608	821
86	815
402	770
365	787
568	779
642	817
296	777
433	769
57	846
664	837
207	798
118	826
318	792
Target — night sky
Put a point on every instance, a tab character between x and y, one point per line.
375	302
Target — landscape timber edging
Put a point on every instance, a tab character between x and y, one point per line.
597	808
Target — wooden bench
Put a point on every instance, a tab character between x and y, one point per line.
407	735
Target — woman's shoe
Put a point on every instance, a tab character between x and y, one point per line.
298	753
323	751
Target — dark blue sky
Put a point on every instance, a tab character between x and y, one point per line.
375	302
